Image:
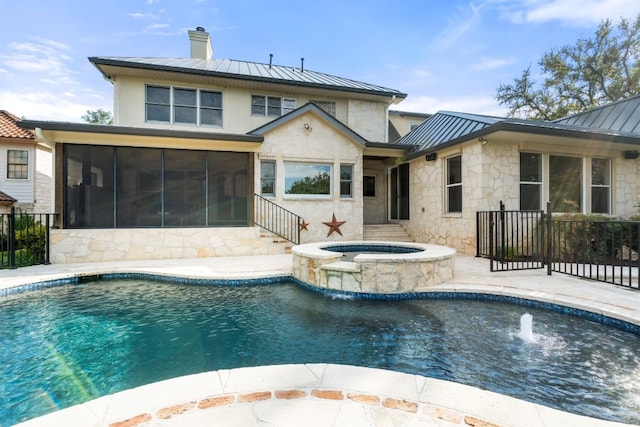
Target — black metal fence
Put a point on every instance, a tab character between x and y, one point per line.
24	238
276	219
596	249
606	251
512	240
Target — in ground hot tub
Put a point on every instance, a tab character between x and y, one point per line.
377	267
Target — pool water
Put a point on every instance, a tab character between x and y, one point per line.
65	345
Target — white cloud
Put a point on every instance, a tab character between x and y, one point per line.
466	20
572	12
46	105
468	104
485	64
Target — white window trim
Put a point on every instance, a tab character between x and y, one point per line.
447	186
172	106
307	196
283	99
28	165
585	184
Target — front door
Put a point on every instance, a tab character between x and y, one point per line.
399	192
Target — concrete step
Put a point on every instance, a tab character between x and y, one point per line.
386	232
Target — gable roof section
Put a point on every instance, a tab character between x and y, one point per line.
310	107
243	70
6	200
445	126
620	116
9	128
445	129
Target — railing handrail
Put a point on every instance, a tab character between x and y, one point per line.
277	219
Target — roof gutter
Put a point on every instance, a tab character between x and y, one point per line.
530	129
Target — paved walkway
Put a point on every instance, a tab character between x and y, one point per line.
327	395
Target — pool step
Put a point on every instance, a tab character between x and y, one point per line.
393	232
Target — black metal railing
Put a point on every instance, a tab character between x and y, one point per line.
276	219
512	240
596	249
24	238
605	251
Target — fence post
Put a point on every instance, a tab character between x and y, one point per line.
491	251
47	246
549	240
503	245
12	238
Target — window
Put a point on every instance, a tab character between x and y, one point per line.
565	184
183	105
600	186
329	107
346	180
454	184
369	186
530	181
108	186
268	178
271	106
17	164
308	179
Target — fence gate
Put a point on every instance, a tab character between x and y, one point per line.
512	240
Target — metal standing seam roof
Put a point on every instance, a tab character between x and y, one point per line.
619	116
445	126
448	128
233	69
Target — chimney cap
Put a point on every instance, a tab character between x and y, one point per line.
200	29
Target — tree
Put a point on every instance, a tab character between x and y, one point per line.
99	116
592	72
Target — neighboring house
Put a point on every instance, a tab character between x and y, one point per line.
194	138
587	163
25	168
403	122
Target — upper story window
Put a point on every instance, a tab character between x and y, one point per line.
183	105
271	106
329	107
17	164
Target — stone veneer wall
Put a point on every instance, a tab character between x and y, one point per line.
379	273
97	245
323	144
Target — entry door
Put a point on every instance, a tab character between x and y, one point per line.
399	192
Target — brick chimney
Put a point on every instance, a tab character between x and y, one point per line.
200	44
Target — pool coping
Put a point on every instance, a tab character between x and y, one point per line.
529	286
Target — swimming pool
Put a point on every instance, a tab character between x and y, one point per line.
68	344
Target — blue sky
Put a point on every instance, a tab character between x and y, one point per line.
446	55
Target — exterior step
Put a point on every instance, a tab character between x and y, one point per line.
386	232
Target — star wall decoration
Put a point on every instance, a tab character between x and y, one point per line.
334	225
304	225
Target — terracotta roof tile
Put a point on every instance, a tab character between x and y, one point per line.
9	128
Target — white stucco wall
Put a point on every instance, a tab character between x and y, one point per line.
367	118
43	181
323	144
20	189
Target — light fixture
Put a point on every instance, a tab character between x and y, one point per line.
431	157
307	127
631	154
482	140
